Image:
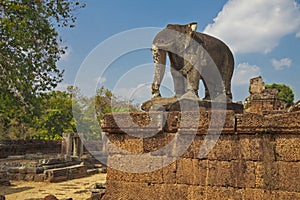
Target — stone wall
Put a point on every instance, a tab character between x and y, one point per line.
256	157
22	147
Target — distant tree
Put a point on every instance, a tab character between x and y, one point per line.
56	115
285	93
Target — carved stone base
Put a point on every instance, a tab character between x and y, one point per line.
186	104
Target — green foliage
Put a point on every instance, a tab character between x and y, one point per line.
56	115
285	93
29	49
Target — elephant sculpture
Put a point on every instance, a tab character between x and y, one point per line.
192	56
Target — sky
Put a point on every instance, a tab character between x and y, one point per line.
110	44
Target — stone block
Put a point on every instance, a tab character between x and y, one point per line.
56	175
250	123
121	143
40	177
13	170
289	176
150	177
266	175
139	163
181	145
284	195
257	147
287	148
244	174
172	121
134	191
200	170
174	191
156	143
286	123
169	172
226	148
220	174
216	193
133	123
77	171
258	194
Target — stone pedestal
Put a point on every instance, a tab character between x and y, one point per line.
255	157
185	104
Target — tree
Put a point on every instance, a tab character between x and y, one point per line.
285	93
56	115
29	49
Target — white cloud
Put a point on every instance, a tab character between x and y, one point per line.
281	64
140	93
62	86
256	25
66	55
244	73
101	80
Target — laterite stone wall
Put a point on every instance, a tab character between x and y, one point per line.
256	157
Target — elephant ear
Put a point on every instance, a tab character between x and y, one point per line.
192	27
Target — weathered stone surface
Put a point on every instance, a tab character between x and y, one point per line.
257	157
262	99
283	195
133	123
226	148
129	190
187	171
184	104
295	107
123	144
253	194
286	123
250	124
257	147
289	176
66	173
287	148
56	175
4	178
139	163
22	147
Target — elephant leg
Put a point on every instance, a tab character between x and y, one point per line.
159	57
193	78
207	94
179	81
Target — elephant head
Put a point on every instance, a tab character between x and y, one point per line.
174	39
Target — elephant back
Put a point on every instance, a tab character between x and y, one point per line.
218	51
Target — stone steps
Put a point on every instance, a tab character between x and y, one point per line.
66	173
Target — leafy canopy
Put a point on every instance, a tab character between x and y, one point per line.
29	45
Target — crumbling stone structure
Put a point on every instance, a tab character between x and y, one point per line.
4	179
261	99
256	157
22	147
72	145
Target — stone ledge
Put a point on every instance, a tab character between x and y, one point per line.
141	123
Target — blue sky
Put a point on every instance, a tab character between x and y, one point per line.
264	36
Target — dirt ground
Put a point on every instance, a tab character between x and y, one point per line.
77	188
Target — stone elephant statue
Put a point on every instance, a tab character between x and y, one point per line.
192	55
